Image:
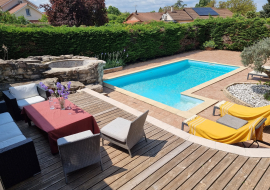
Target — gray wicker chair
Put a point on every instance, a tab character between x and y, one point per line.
125	133
79	150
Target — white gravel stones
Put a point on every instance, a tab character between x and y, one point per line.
250	93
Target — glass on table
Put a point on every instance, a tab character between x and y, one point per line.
51	103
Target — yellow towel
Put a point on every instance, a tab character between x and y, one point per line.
244	112
208	129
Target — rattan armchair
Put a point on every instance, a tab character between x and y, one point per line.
125	133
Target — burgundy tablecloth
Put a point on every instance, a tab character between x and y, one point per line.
59	123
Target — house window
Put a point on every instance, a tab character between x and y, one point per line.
28	12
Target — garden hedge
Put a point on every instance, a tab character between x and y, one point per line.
141	41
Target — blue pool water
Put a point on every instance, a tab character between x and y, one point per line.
165	83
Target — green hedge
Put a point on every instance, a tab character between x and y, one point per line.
142	41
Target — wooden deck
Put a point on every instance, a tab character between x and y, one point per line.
165	161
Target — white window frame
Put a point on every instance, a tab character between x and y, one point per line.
28	12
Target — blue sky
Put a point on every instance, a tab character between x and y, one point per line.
148	5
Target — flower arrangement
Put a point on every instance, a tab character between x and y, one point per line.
60	91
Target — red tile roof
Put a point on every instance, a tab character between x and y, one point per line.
131	21
146	16
179	15
17	7
2	2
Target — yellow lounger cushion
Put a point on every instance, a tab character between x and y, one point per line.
244	112
208	129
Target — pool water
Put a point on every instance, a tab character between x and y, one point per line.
165	83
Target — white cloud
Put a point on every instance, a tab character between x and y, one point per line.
148	5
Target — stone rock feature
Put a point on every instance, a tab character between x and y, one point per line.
75	85
87	70
98	88
251	94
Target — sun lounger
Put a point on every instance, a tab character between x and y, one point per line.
254	73
211	130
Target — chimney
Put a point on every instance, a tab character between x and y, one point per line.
136	12
171	9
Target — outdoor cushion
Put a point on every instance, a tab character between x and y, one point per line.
117	129
232	121
29	101
24	91
11	141
5	118
9	131
74	137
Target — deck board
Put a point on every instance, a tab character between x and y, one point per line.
159	163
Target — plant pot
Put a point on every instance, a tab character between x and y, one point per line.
114	69
209	48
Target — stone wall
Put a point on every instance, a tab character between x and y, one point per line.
86	70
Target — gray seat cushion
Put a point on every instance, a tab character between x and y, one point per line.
231	121
74	137
117	129
5	118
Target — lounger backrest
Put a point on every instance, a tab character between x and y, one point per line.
136	131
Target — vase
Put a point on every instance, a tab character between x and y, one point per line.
61	103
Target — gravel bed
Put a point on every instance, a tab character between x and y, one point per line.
250	93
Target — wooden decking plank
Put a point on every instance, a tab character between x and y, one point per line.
228	173
135	167
106	111
82	175
166	168
155	166
119	165
264	183
163	181
208	166
242	174
192	168
256	174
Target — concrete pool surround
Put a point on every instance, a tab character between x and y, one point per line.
190	92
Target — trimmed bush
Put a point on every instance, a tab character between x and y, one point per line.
141	41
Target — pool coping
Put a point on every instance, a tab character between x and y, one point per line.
249	152
190	92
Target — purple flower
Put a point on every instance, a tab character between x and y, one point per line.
68	85
43	86
124	50
127	55
58	85
51	91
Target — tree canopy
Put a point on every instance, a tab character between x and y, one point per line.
6	17
202	3
265	13
179	4
76	12
113	10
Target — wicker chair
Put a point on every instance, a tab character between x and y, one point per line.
125	133
79	150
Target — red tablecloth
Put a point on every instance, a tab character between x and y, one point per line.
59	123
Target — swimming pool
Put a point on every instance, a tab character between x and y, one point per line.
166	83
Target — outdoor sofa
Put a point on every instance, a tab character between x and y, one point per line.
18	97
18	158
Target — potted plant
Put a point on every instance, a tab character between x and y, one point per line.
209	45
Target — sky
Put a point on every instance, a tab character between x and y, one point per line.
148	5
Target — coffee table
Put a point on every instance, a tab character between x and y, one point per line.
59	123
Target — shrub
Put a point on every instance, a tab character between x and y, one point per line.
210	44
114	59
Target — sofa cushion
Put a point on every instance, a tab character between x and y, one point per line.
11	141
74	137
29	101
5	118
24	91
10	134
117	129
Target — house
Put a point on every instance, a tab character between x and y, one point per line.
21	8
190	14
143	17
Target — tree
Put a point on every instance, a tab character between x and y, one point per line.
160	10
6	17
179	4
257	55
118	19
202	3
241	6
76	12
265	13
152	11
222	5
113	10
44	18
251	14
212	3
